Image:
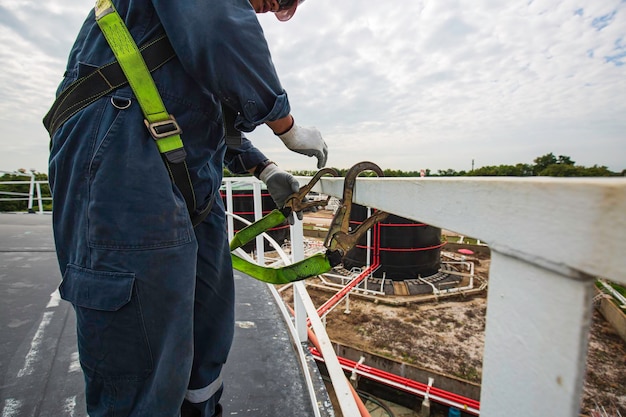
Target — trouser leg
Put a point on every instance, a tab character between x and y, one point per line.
213	313
135	329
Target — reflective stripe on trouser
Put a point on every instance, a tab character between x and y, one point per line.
214	316
201	395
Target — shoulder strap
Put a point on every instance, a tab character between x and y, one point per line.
161	125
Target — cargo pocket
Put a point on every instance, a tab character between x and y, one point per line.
112	340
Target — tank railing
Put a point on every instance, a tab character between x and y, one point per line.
34	192
547	236
438	292
362	287
304	308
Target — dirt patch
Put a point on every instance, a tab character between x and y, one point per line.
448	336
605	378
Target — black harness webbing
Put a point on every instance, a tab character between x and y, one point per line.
88	89
101	82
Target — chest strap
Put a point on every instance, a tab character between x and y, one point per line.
101	82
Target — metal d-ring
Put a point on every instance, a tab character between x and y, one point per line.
115	100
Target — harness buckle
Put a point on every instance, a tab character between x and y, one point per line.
163	128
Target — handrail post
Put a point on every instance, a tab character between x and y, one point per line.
31	193
39	198
297	254
230	225
535	339
258	213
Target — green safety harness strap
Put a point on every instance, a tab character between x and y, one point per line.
340	240
245	235
162	126
309	267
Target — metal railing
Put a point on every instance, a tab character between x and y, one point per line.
303	305
549	238
34	192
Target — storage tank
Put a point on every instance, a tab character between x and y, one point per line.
407	249
243	205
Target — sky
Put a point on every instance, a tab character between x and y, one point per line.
407	84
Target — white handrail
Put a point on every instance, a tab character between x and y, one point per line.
304	308
34	193
547	236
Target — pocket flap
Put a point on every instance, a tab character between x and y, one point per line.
98	290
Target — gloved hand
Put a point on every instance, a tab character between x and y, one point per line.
306	141
281	185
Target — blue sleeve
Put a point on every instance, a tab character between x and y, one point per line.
241	159
221	44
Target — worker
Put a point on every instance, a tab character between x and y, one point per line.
154	295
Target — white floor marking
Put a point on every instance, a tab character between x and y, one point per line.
55	299
11	407
75	363
70	406
35	344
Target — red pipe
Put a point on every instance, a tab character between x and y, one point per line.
407	385
412	249
356	281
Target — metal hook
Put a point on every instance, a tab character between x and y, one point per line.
339	237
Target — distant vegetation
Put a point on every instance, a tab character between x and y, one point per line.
546	165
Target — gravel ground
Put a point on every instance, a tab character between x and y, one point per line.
448	337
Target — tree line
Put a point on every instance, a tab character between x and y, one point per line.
546	165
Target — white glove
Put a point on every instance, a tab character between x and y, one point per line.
280	185
306	141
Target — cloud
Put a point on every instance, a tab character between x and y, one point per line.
409	85
36	38
601	22
453	78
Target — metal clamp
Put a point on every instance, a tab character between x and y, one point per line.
297	202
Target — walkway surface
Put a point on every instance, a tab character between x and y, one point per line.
39	369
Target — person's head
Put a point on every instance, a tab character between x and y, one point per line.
283	9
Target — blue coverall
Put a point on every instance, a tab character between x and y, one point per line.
153	296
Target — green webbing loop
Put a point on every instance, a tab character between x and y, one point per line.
129	57
245	235
309	267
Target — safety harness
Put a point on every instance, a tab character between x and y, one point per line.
133	66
